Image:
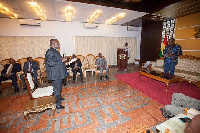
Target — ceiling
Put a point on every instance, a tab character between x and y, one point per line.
55	9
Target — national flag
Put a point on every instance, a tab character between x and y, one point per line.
163	45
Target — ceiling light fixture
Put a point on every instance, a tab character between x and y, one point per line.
69	12
96	14
115	18
6	11
38	11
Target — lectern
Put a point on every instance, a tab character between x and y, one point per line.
122	57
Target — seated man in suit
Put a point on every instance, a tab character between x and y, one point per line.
76	67
102	65
31	67
9	72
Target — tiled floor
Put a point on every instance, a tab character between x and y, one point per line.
92	106
8	91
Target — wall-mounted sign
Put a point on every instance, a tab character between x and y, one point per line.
197	31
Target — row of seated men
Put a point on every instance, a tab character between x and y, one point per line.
10	70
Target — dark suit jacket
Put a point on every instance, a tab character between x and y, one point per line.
55	68
79	64
35	67
16	68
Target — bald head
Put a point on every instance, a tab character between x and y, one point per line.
12	61
55	43
194	125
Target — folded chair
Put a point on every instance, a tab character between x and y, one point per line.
36	92
41	98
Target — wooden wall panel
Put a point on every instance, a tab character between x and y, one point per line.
189	44
193	53
185	33
189	20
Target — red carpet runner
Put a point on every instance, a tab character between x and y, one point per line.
156	89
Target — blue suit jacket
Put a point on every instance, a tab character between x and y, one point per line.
35	66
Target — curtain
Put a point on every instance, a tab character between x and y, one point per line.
84	45
23	46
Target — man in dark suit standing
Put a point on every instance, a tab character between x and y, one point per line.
55	70
76	67
9	72
31	67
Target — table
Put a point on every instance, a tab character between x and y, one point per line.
159	77
39	105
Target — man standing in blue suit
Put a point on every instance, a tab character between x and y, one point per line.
171	53
55	70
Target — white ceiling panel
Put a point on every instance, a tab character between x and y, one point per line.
55	11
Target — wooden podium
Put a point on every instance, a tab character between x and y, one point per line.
122	57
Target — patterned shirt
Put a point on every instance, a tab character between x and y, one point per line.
172	52
101	62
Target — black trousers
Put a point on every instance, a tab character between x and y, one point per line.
13	77
75	72
57	86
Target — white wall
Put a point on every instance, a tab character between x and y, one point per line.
65	31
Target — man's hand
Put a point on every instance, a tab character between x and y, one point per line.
64	59
66	63
103	66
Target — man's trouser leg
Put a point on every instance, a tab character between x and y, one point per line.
23	80
172	67
14	80
81	73
166	67
57	86
35	77
74	74
101	71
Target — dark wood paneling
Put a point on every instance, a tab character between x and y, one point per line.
150	40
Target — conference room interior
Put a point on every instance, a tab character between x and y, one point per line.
144	27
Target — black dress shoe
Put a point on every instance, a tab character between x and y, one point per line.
100	77
106	77
62	98
16	90
60	107
24	88
36	85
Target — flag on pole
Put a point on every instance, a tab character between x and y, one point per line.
163	45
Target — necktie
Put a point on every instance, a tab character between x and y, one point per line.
30	68
9	69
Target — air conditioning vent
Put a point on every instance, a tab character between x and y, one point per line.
29	22
132	28
91	26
